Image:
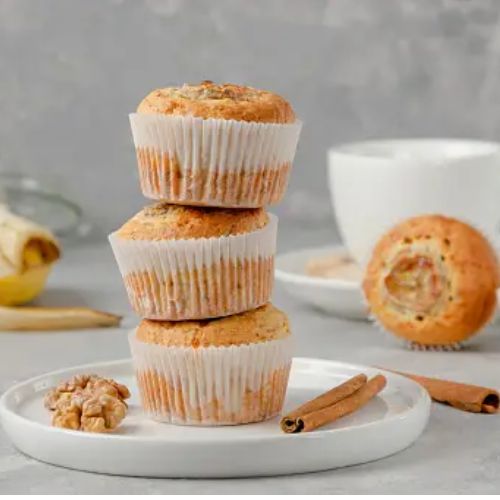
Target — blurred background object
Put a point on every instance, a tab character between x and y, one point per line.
376	184
353	69
27	253
27	197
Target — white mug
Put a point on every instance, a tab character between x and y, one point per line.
377	184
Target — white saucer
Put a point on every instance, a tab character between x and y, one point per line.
140	447
339	297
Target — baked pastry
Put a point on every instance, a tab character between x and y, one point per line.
432	280
226	102
183	263
223	371
214	145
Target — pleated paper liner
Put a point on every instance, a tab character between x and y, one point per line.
198	278
213	162
212	385
415	346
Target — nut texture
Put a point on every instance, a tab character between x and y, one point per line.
89	403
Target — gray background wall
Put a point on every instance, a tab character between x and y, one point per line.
71	70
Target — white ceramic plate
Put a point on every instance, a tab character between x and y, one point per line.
339	297
140	447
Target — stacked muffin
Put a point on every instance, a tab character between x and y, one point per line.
198	264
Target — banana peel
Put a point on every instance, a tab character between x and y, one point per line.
27	252
54	318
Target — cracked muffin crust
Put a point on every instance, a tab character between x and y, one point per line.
432	280
163	221
221	101
260	325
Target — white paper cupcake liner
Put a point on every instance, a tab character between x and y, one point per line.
417	346
453	347
212	385
213	162
198	278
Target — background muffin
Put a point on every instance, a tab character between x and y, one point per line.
214	145
230	370
189	263
432	280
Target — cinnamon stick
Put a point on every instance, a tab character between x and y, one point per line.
350	404
289	422
465	397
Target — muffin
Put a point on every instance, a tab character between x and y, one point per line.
183	263
214	145
432	280
222	371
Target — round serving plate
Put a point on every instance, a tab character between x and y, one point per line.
141	447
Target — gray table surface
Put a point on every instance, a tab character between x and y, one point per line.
458	453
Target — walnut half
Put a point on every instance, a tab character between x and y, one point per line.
88	403
102	413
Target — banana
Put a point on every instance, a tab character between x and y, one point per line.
54	318
27	252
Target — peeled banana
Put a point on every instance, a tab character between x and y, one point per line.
27	252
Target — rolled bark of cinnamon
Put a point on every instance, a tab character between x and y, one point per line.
309	421
289	422
465	397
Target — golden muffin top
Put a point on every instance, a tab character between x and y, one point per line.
259	325
432	280
162	221
225	101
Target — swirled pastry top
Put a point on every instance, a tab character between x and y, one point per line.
225	101
432	280
259	325
162	221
